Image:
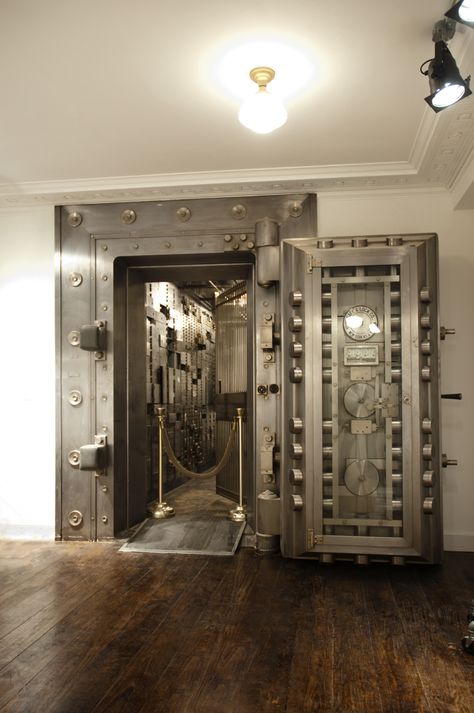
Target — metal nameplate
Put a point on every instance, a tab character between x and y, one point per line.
361	355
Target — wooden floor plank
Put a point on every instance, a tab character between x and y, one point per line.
446	684
110	638
311	677
78	634
186	634
400	687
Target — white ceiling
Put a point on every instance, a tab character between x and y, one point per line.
101	96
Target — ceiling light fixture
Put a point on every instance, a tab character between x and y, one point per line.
462	11
446	84
262	112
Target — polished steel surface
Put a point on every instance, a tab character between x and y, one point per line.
370	446
118	249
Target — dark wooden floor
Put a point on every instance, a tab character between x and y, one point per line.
85	628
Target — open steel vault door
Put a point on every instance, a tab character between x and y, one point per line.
361	460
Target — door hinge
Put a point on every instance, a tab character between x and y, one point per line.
312	540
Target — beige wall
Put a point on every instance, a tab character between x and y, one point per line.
27	356
27	420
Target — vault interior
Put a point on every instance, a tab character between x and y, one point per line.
184	341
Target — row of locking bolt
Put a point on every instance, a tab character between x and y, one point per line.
429	475
295	325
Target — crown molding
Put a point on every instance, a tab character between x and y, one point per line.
462	190
207	184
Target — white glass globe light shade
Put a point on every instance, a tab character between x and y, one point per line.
262	112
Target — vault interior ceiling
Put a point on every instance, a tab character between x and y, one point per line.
99	95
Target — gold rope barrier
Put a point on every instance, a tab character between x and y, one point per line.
205	473
160	509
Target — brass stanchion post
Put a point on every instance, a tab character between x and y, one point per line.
159	509
239	514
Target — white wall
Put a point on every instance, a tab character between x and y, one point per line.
27	429
357	214
27	389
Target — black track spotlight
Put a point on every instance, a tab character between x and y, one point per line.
462	11
446	84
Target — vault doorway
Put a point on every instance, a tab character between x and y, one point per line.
187	347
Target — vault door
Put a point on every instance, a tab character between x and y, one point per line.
360	454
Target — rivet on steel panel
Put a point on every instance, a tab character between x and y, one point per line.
128	216
239	211
75	278
75	518
75	397
183	214
74	338
74	219
74	458
296	209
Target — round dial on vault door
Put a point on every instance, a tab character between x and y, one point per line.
360	323
361	477
359	400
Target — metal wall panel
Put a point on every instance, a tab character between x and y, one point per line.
99	247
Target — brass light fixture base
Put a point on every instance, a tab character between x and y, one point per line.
238	514
262	75
161	510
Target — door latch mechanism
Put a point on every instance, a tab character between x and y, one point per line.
93	338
